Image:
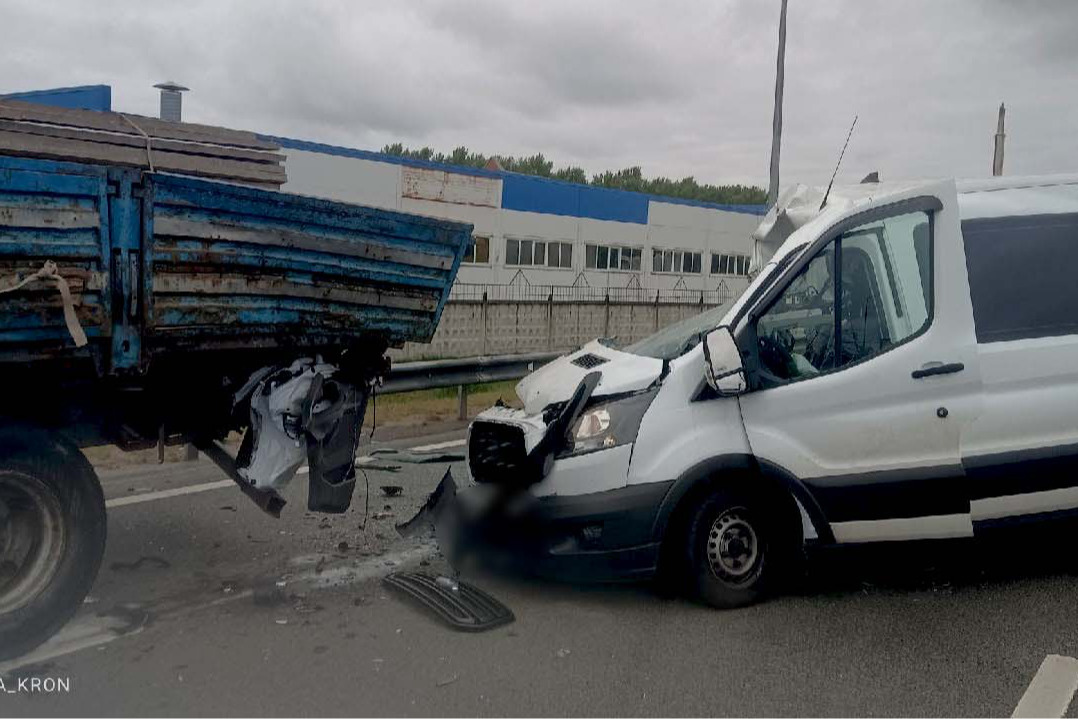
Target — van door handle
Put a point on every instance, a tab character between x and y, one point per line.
931	369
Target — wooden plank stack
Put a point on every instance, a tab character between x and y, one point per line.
112	138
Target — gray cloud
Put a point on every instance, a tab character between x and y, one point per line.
682	87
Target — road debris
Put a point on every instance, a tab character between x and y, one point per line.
458	604
419	457
392	490
447	682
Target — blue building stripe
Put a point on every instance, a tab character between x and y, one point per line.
554	197
528	193
82	97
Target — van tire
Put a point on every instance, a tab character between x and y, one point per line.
52	535
735	549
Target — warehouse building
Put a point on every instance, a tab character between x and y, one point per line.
535	238
540	236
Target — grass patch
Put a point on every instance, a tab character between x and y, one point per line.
432	405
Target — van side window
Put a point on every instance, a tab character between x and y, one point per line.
864	292
1021	276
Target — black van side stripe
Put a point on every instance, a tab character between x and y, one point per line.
1022	471
892	494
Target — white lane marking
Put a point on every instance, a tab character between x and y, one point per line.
87	632
207	486
940	526
166	493
80	634
439	445
1052	688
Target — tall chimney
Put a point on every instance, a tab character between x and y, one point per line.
171	100
997	155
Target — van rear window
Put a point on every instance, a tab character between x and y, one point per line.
1022	276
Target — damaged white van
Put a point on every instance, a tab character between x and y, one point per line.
904	366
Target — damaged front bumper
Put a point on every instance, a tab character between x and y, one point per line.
596	537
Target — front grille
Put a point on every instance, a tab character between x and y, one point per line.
496	454
589	360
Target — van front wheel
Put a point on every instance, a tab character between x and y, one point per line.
732	549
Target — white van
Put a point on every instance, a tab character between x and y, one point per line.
904	366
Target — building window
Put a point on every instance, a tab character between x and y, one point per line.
559	254
538	253
479	252
680	261
598	257
729	264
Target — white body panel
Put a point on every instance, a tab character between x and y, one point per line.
677	434
1030	390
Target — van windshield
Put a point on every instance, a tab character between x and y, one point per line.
675	340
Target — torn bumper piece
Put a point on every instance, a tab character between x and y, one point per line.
596	537
307	411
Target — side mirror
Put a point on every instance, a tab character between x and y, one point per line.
722	363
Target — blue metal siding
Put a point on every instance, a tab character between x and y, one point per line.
52	211
229	261
83	97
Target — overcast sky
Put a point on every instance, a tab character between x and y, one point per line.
679	87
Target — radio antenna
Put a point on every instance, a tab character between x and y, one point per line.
839	163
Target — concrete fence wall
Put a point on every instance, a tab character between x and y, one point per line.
473	328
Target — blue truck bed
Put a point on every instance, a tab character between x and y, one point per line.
164	265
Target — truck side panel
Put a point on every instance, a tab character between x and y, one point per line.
163	264
59	212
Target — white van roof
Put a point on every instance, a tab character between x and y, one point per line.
1012	196
989	197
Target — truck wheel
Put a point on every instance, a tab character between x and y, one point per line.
733	549
52	536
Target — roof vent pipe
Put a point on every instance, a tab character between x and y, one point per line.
171	100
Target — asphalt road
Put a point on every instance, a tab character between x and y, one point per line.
204	606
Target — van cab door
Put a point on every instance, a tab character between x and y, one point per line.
866	370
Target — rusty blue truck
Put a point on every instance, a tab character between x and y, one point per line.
141	307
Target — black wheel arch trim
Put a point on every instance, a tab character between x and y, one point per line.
707	469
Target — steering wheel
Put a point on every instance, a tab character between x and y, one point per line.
775	353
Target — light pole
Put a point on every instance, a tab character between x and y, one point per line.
997	155
776	123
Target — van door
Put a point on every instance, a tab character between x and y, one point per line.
867	371
1021	455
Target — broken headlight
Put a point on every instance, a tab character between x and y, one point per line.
608	424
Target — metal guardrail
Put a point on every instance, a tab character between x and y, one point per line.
412	376
459	373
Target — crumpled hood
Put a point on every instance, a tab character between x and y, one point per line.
556	381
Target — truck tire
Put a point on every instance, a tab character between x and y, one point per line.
735	553
52	535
